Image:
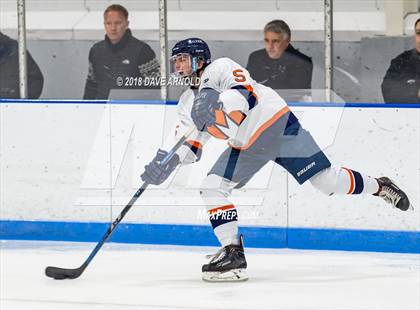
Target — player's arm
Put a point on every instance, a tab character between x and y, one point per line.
155	172
203	112
209	103
190	152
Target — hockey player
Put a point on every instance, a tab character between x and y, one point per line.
258	126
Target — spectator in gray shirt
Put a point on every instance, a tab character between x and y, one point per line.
279	65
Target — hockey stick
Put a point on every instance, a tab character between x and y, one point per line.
68	273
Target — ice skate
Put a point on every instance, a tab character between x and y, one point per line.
392	194
227	265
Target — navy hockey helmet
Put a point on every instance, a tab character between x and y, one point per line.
196	48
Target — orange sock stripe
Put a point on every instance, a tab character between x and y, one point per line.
352	182
222	208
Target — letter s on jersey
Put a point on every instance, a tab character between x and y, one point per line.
239	77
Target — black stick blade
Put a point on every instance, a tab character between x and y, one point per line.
62	273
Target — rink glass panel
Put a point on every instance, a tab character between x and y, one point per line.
60	34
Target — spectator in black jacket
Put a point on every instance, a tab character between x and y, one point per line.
9	71
118	60
279	65
401	83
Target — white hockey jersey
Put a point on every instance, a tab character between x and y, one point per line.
249	108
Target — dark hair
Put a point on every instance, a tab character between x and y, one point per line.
417	21
118	8
278	26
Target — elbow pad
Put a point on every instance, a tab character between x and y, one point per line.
190	152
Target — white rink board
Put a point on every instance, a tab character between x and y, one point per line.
377	142
56	166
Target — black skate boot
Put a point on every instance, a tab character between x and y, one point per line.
227	265
392	194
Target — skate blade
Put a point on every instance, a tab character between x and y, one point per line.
234	275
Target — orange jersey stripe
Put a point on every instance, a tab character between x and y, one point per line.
220	121
262	128
220	118
237	116
216	132
251	90
222	208
352	182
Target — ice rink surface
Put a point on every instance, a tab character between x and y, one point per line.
169	277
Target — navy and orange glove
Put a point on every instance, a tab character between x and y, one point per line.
203	110
155	172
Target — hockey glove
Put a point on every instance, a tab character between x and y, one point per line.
156	173
204	107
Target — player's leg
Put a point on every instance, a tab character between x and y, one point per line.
215	191
342	180
304	160
232	170
334	180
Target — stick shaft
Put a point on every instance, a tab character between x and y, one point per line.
77	272
114	224
133	199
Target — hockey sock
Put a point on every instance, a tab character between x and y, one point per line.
344	181
222	213
224	220
361	184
